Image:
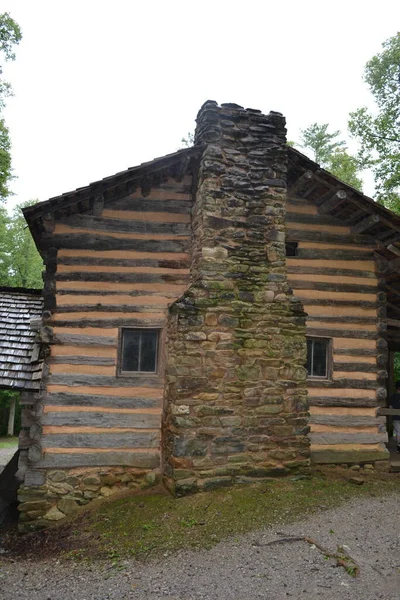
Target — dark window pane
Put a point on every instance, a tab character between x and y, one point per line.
148	351
130	350
319	358
309	357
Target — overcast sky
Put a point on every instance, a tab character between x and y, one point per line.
101	86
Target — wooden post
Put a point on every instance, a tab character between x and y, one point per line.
11	417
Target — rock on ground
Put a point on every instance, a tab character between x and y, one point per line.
242	568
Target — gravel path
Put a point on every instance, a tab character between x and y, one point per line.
243	568
6	455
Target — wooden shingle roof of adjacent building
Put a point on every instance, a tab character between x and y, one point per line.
20	365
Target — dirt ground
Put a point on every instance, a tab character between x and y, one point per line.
348	552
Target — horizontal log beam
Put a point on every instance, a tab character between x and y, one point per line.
151	205
346	420
104	242
353	455
102	440
102	361
140	460
334	287
105	323
355	367
389	412
122	262
100	224
364	384
102	419
333	302
106	401
70	339
304	235
342	402
342	333
339	319
347	438
74	380
334	254
176	278
309	269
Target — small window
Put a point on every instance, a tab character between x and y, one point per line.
318	357
291	248
138	351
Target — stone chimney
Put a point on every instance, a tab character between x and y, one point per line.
236	400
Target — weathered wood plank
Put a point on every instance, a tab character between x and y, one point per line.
85	221
149	205
355	351
140	460
365	384
106	401
347	438
313	219
360	367
345	420
85	340
124	308
123	262
340	319
332	254
123	277
85	291
304	235
342	402
351	455
333	302
111	323
83	360
102	419
102	440
104	242
389	411
98	380
343	333
334	287
329	271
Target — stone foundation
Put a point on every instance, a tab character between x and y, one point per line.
64	491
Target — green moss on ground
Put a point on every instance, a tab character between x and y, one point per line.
8	442
157	524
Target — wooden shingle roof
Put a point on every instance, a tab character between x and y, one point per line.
20	366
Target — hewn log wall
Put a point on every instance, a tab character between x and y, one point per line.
334	274
120	267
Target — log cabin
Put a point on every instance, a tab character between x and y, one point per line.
223	314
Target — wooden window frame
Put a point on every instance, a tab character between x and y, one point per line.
329	359
140	374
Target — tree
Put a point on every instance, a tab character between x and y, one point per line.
379	132
322	143
10	36
331	153
345	167
20	263
188	141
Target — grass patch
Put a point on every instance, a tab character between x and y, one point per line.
8	442
157	524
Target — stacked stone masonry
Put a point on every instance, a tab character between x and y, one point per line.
236	402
